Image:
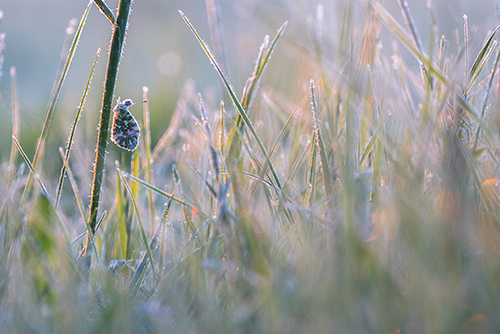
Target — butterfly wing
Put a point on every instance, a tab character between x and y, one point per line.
125	131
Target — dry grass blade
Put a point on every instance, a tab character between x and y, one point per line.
73	130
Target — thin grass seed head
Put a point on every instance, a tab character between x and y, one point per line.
125	131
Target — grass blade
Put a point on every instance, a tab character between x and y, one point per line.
73	130
327	176
137	213
15	122
74	186
52	106
235	100
30	166
149	178
263	57
158	191
140	272
115	54
123	228
105	10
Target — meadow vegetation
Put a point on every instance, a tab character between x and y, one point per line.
370	203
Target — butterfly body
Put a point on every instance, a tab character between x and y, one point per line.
125	131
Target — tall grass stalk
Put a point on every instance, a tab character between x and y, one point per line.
115	52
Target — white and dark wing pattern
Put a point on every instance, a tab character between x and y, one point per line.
125	131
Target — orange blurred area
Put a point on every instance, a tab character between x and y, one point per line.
479	324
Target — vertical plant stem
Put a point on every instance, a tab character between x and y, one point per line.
149	178
109	87
15	124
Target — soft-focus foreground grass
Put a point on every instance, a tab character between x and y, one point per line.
369	204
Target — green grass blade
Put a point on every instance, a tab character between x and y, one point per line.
368	148
52	106
475	68
485	101
121	214
235	100
135	168
141	226
474	75
158	191
73	130
105	10
149	177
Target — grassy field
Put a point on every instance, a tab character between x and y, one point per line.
360	195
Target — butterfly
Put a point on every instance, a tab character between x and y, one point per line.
125	131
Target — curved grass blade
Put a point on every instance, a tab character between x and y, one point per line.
105	10
141	226
481	60
235	100
73	130
53	102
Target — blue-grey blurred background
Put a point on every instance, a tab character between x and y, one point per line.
162	53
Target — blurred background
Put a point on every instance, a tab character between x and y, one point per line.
162	53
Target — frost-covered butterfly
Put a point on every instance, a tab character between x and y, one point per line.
125	131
